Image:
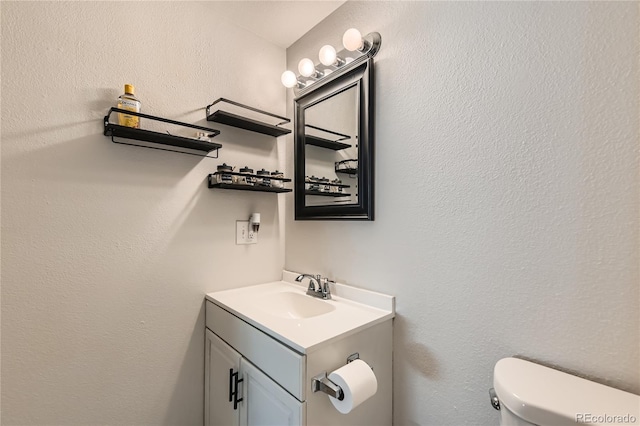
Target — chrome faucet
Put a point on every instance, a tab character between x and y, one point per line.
318	286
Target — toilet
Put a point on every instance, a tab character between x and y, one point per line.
531	394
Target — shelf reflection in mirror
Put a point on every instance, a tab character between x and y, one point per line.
331	135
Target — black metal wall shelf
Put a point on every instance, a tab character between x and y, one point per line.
344	166
338	185
243	187
116	130
327	194
352	172
241	122
334	144
325	143
283	179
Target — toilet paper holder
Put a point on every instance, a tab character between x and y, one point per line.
321	382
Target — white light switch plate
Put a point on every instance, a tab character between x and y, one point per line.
243	234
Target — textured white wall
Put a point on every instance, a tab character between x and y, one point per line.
506	194
108	250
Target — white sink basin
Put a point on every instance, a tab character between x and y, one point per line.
294	305
283	310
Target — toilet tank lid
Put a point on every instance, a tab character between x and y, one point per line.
545	396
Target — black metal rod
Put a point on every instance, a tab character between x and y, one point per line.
241	187
326	194
344	137
346	161
164	120
165	149
287	120
339	185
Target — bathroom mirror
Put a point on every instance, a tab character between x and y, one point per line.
334	145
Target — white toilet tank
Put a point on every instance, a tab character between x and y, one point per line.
530	393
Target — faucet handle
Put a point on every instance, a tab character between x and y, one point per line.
326	290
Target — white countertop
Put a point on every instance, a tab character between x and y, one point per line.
304	335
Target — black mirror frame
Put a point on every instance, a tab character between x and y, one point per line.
358	73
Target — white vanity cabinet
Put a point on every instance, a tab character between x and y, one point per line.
261	356
266	402
220	362
250	398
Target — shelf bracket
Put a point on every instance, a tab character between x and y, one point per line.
165	149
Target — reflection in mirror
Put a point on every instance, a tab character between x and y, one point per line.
331	138
334	145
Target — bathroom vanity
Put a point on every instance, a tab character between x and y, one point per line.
266	343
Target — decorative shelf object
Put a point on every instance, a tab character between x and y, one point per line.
244	187
241	122
327	194
333	143
345	166
116	130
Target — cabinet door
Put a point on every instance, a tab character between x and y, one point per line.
265	402
220	359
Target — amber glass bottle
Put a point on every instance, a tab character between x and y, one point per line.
129	102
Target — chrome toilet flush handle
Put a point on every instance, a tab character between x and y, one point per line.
495	402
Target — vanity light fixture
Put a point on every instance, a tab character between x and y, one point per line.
290	80
306	68
329	57
352	40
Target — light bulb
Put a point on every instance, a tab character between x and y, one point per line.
327	55
306	68
352	40
289	79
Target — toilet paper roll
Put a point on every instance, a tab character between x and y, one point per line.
358	384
